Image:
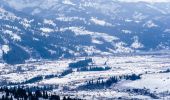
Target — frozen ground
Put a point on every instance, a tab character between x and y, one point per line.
155	76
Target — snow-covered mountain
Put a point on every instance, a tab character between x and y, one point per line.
52	29
87	49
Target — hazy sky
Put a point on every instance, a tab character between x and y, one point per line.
20	4
146	0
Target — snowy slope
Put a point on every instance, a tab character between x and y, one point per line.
54	29
42	37
152	68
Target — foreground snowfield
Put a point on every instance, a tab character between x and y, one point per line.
152	68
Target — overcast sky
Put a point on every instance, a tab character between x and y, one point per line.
146	0
20	4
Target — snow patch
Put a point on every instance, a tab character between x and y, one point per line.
95	35
46	30
150	24
13	36
68	2
5	49
136	44
120	47
127	31
50	22
100	22
96	41
155	82
69	19
138	16
26	23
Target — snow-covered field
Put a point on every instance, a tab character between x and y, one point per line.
152	68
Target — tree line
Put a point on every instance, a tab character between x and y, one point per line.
94	68
81	63
40	78
100	83
20	93
143	91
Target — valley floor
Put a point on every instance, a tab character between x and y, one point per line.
154	71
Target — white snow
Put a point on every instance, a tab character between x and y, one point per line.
46	30
138	16
150	24
120	65
136	44
96	41
106	94
35	39
26	23
121	48
95	35
12	35
100	22
159	82
127	31
68	2
69	19
52	52
50	22
7	15
5	49
128	20
91	50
